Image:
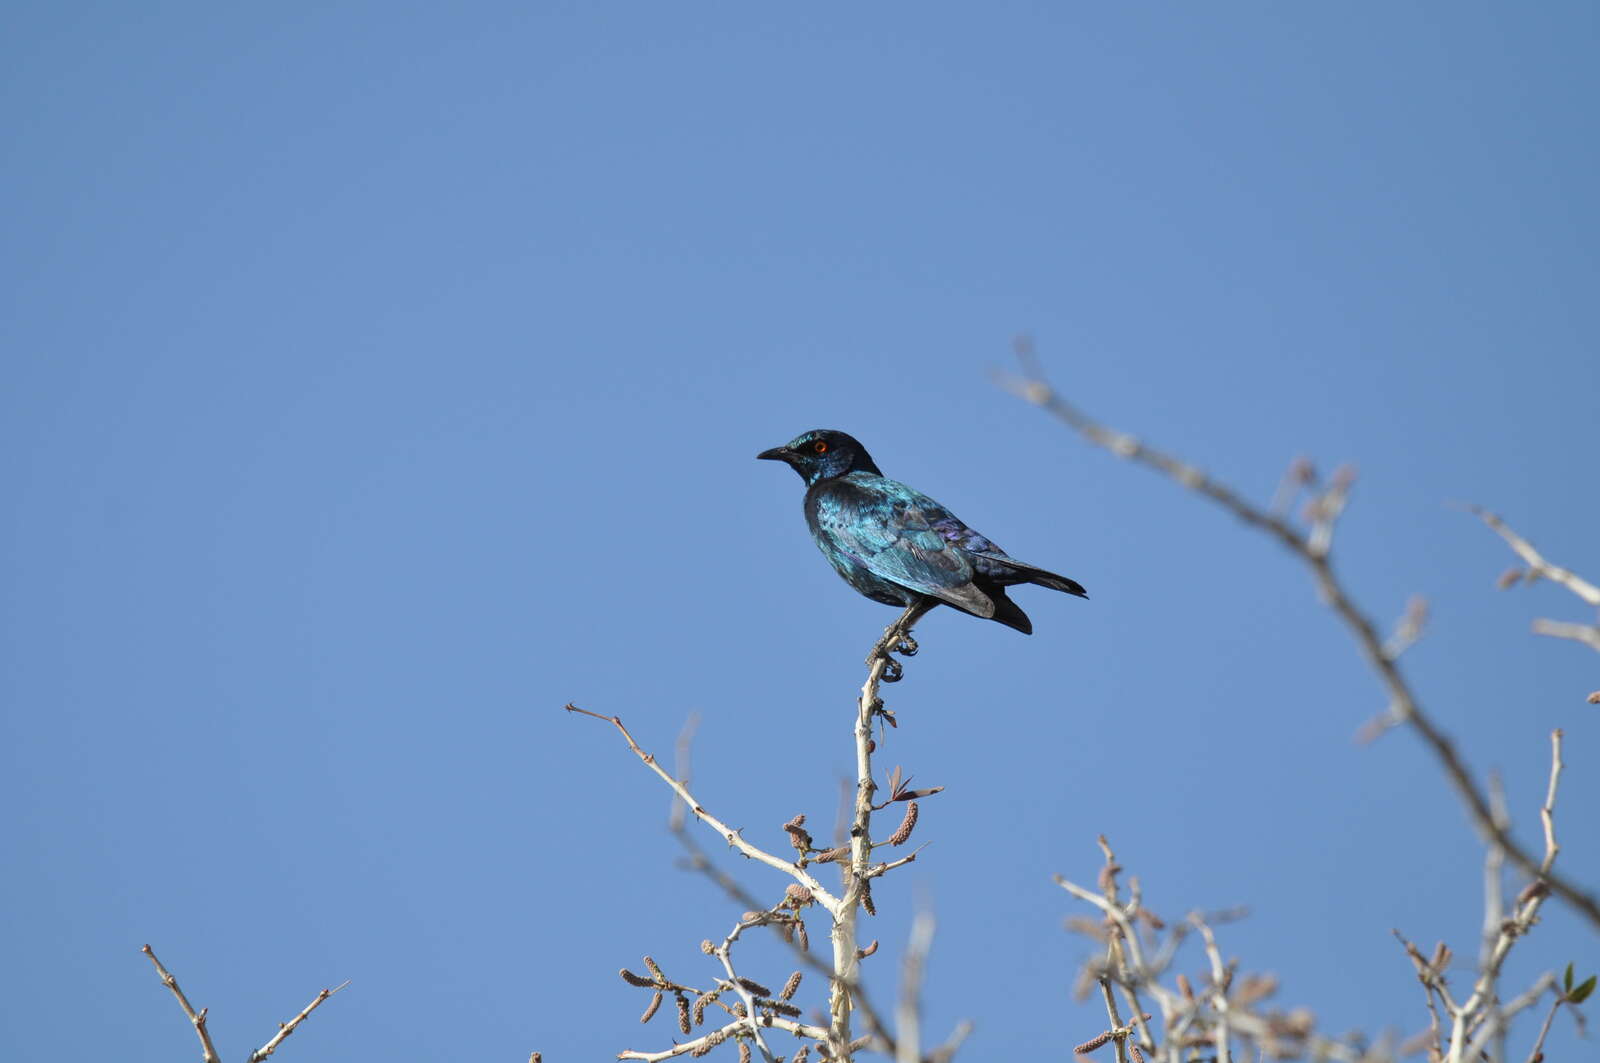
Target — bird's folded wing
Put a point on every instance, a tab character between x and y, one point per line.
896	540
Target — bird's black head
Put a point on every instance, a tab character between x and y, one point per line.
822	454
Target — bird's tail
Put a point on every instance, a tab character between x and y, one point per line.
1009	613
1027	573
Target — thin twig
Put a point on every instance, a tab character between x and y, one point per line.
1479	1007
1547	812
1536	562
1536	1053
681	764
724	953
908	1016
197	1018
1219	983
285	1029
1588	634
1494	908
1119	1043
1527	907
945	1052
730	835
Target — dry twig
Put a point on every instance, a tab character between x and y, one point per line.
198	1018
733	837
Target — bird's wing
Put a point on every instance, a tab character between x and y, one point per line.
899	535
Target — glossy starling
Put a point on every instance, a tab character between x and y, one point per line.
898	546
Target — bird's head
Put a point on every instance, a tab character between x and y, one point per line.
822	454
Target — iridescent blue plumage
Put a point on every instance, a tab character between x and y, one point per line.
898	546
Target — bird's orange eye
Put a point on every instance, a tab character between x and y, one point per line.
820	447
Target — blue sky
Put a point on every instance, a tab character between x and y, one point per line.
382	377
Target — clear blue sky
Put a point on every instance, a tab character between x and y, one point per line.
381	377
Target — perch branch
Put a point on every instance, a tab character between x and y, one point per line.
846	953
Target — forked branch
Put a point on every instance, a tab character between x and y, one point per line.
198	1018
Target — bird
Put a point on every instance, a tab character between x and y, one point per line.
896	545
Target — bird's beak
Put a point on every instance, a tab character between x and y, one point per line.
775	454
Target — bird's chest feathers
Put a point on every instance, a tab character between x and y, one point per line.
849	527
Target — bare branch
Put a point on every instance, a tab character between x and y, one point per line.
1588	634
724	952
1535	561
733	837
681	764
1536	1053
1120	1042
945	1052
197	1018
285	1029
1313	549
1478	1011
1220	980
908	1016
1547	812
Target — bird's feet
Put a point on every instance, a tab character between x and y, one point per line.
897	639
898	642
